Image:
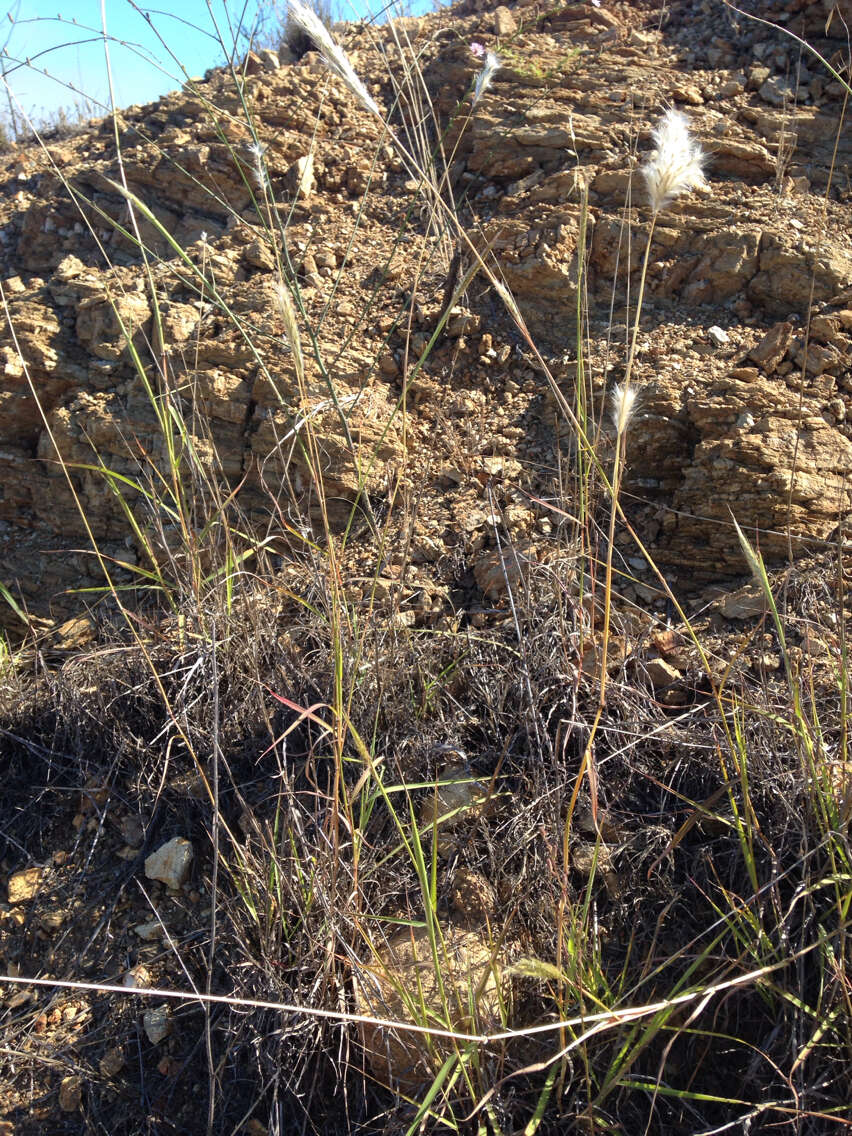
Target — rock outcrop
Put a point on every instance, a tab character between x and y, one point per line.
102	349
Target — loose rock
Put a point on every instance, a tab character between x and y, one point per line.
170	863
400	977
112	1062
24	885
70	1093
157	1024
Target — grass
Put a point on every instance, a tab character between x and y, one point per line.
661	939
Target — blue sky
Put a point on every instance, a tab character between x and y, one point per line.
64	40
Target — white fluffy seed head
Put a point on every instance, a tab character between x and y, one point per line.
623	405
333	55
490	67
677	164
258	152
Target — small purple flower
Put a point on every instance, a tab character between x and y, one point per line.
478	50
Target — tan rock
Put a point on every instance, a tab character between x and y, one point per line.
149	932
112	1062
398	981
472	897
170	863
745	603
70	1093
660	673
504	21
24	885
458	796
52	921
497	573
300	179
107	325
773	347
587	858
75	633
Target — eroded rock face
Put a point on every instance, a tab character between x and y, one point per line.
545	179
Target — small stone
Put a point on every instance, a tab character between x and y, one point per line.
461	322
112	1062
148	932
170	863
252	64
769	352
661	673
757	76
745	603
299	179
826	329
718	335
388	365
24	885
504	22
459	796
688	94
70	1093
498	575
400	972
586	858
74	633
472	896
51	921
137	976
157	1024
777	92
132	832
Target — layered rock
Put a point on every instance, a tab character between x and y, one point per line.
101	353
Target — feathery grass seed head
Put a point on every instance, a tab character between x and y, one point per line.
333	55
677	164
623	405
287	311
508	300
258	153
490	67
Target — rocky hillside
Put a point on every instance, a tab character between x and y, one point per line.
746	335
